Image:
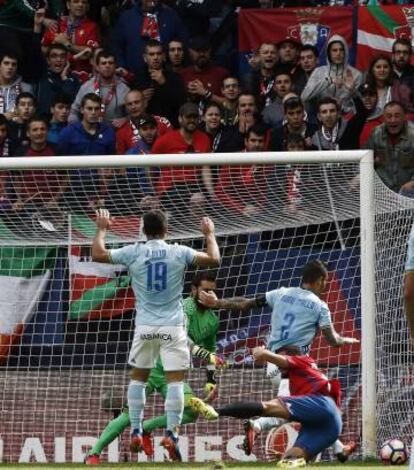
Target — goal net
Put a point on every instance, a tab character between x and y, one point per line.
66	323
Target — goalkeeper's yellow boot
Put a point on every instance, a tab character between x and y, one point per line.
291	463
204	410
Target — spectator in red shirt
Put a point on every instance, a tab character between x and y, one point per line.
128	135
77	33
39	187
369	98
187	184
240	188
203	79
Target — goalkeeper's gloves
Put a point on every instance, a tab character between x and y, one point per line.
217	361
213	359
210	391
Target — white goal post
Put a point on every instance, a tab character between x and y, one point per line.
363	159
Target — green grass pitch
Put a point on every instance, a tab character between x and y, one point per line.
208	466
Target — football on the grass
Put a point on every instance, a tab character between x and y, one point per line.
394	452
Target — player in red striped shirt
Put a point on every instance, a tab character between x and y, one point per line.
314	402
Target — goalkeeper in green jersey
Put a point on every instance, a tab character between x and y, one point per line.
202	327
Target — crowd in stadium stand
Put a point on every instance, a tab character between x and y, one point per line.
96	77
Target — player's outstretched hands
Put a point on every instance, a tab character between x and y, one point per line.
103	219
207	226
209	299
259	354
218	361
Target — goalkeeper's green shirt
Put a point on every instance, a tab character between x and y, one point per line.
202	327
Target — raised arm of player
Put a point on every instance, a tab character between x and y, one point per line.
209	299
212	258
335	339
103	221
262	355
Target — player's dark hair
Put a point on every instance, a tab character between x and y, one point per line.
153	43
293	103
203	276
90	97
56	47
309	47
25	94
290	350
155	223
256	129
313	271
402	42
105	53
60	98
294	138
9	54
328	100
38	119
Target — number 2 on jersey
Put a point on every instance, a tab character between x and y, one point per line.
288	320
156	276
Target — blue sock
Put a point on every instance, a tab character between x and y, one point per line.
174	405
136	403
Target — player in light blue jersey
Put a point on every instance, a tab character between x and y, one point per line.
298	313
157	276
409	302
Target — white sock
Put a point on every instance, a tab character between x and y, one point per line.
337	447
174	405
136	403
267	423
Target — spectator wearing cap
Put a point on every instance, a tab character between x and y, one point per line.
282	85
77	33
149	19
335	133
203	78
163	90
128	135
337	79
393	146
186	183
148	133
288	52
260	82
141	176
108	87
308	61
381	77
294	122
369	99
